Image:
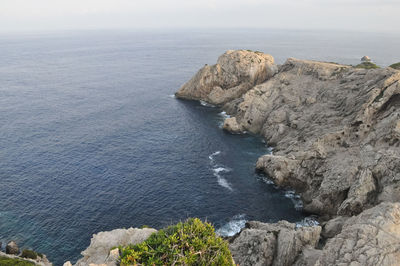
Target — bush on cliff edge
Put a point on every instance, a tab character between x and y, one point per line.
367	65
395	66
190	243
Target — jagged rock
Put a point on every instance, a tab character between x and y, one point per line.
101	243
371	238
231	125
12	248
272	244
308	257
235	73
333	227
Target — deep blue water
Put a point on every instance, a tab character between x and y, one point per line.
91	139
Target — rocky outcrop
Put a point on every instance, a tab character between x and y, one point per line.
235	73
272	244
336	130
103	246
12	248
336	136
371	238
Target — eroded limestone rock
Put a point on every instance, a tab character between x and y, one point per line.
235	73
99	252
272	244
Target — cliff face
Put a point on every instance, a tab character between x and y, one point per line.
335	128
235	73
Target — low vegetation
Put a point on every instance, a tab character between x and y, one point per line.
192	242
396	66
367	65
30	254
5	261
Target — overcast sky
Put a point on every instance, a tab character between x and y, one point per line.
358	15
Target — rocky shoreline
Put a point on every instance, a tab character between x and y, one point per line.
336	136
14	255
335	130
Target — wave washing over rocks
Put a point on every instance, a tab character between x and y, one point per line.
336	136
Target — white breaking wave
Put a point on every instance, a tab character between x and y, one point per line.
233	226
211	157
222	181
172	96
217	169
307	222
221	169
206	104
298	203
224	115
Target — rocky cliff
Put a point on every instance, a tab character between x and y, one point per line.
336	136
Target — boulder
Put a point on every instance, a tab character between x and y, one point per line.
12	248
365	59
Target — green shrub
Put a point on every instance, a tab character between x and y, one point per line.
5	261
29	254
190	243
367	65
395	66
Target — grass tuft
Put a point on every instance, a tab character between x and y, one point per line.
5	261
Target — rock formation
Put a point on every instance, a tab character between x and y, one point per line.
336	133
12	248
103	249
272	244
235	73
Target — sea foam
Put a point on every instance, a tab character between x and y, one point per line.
233	226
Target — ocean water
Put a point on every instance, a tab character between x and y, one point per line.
92	139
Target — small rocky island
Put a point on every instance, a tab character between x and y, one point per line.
335	130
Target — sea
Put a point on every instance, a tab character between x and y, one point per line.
93	139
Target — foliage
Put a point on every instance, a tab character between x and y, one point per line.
190	243
30	254
367	65
395	66
5	261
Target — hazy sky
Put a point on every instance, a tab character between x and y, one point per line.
363	15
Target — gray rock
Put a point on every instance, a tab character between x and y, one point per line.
235	73
333	227
231	125
101	243
365	59
12	248
272	244
371	238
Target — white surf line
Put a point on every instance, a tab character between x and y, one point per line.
217	170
